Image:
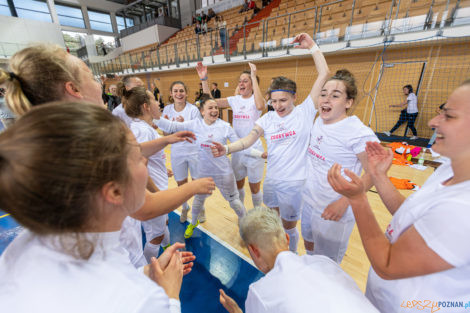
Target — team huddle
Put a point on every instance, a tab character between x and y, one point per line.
84	184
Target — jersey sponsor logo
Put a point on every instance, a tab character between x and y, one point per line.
389	231
314	154
241	117
285	135
319	140
205	145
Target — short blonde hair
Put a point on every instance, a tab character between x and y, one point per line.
263	227
38	75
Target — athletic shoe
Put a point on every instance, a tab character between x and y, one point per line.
189	230
387	133
202	216
184	215
413	137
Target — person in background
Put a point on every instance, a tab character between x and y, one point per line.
409	112
292	283
113	99
215	92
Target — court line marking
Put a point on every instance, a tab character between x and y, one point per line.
225	244
4	215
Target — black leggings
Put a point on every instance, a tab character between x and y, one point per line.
406	117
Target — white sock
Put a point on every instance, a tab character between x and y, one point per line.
257	199
166	239
241	194
198	205
309	252
294	238
238	207
151	250
185	206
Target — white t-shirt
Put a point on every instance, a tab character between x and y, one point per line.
412	104
131	240
299	284
219	131
38	276
190	112
329	144
121	113
156	165
441	215
287	140
245	115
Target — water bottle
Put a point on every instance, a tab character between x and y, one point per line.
421	157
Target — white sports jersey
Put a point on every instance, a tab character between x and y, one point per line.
131	241
287	140
306	284
245	115
441	215
219	131
190	112
121	113
143	132
329	144
36	267
412	104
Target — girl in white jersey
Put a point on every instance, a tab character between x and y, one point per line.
210	128
327	219
422	257
183	154
142	108
127	83
70	174
287	133
247	106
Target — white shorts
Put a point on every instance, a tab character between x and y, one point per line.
155	227
244	165
227	186
181	164
286	195
330	238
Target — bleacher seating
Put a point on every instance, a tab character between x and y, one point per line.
284	19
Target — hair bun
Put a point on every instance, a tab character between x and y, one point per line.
344	74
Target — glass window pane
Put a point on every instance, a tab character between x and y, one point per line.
70	16
100	21
4	10
34	10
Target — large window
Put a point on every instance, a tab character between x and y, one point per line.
4	8
120	22
100	21
33	10
70	16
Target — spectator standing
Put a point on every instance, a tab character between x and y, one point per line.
215	92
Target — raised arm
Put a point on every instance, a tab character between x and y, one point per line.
163	202
259	99
409	256
306	42
219	150
153	146
379	161
201	69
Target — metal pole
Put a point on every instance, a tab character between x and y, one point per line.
212	48
187	55
263	48
197	48
167	61
177	61
244	41
158	58
352	12
288	32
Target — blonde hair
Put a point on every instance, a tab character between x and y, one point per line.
263	227
38	75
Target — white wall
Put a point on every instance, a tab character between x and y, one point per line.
17	32
150	35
